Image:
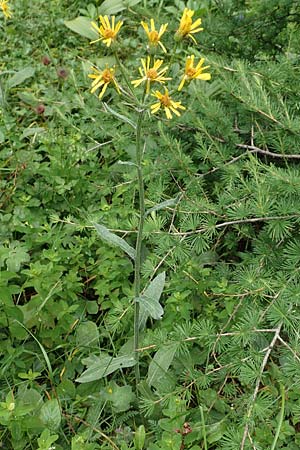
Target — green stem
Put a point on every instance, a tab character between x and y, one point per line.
124	74
281	417
173	54
139	239
203	427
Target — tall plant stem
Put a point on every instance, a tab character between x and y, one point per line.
139	239
124	74
281	417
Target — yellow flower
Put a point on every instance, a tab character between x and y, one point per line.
108	32
187	27
150	74
167	103
5	8
103	79
153	35
194	73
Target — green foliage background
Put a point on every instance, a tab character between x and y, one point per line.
225	356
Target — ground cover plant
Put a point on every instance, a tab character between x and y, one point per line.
194	343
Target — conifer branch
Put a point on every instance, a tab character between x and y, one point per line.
183	234
259	111
237	222
258	381
218	336
289	347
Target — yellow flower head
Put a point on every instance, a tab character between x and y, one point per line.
108	32
5	8
167	103
153	35
151	74
102	79
194	73
187	27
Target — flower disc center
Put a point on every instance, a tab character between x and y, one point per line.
152	74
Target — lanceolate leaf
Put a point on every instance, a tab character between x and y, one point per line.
114	240
160	363
82	25
20	76
115	6
149	300
119	116
104	366
163	205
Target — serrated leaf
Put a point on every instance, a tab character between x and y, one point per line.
50	414
149	300
16	255
160	364
82	25
20	76
119	116
115	6
114	240
105	366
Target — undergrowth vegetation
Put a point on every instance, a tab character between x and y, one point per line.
197	347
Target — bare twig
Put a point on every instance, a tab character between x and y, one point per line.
251	149
255	149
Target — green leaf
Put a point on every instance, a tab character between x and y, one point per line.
149	300
87	334
46	440
115	6
31	131
2	137
20	76
119	116
28	98
120	396
15	255
163	205
79	442
105	366
15	315
139	438
114	240
82	25
92	307
160	364
50	414
216	431
45	355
